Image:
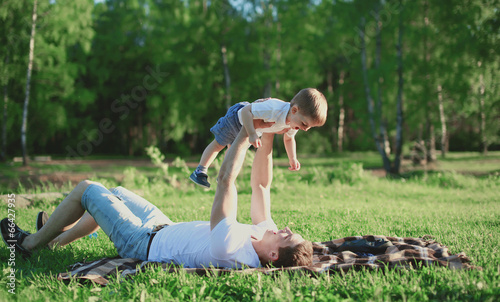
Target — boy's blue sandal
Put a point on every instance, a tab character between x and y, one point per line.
200	179
13	236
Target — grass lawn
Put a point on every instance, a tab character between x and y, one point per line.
328	199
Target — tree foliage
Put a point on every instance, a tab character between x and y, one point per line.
118	75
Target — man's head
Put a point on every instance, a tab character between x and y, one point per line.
308	109
284	248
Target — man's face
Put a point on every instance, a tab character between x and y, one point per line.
281	238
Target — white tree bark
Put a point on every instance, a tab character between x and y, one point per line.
442	116
227	76
482	113
369	100
399	115
340	130
28	82
3	153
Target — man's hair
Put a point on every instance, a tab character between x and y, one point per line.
299	255
312	103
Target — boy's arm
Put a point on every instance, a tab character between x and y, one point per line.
247	120
291	151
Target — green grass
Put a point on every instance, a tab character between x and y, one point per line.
322	202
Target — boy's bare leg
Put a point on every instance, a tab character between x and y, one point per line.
85	226
261	179
66	213
210	153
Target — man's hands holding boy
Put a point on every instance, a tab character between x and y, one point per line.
253	138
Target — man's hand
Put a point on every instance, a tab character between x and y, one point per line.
261	124
294	165
283	131
254	138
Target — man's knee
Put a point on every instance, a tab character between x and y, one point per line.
85	183
224	178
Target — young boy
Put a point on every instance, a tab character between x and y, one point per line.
307	109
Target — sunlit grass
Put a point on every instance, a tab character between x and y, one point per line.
322	203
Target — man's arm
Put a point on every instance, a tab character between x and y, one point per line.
225	202
262	176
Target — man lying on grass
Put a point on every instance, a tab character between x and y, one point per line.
132	223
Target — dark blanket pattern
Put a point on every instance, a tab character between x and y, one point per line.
406	253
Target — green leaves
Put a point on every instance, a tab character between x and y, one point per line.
88	55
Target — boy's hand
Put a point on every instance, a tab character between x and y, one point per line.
294	165
255	140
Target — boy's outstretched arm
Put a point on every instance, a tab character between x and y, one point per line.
247	119
291	151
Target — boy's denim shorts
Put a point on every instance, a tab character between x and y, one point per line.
227	127
125	217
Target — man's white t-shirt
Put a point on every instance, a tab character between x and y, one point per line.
192	244
271	110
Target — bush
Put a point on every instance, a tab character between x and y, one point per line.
455	180
134	179
349	173
157	159
346	173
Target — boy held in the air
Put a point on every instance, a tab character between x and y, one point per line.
306	110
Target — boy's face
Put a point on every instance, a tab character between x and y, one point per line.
298	121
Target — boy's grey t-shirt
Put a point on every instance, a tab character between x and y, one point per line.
193	244
271	110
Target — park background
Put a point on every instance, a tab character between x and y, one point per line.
124	93
114	77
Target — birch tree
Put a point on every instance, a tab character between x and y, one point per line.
399	114
369	100
28	82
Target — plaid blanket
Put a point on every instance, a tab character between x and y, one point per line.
401	253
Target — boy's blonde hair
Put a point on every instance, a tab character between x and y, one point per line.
311	103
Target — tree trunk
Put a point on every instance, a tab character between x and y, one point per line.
482	113
3	153
430	139
331	108
378	113
431	153
227	77
28	82
369	100
380	79
266	52
444	131
385	138
340	130
399	116
278	59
